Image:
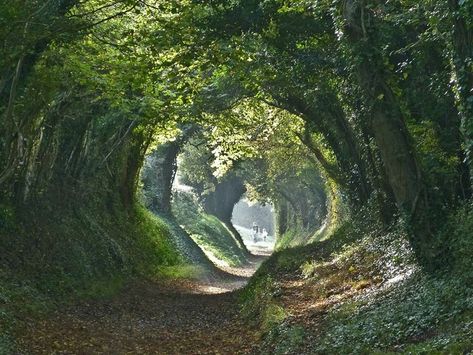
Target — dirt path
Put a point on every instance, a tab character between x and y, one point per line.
149	318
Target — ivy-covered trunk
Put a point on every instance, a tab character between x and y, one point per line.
387	121
160	170
462	43
35	26
281	217
388	124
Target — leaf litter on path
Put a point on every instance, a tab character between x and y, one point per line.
186	317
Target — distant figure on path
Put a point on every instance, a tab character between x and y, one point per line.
265	234
255	232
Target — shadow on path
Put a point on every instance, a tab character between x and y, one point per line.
176	317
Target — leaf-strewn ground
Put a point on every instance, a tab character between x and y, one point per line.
186	317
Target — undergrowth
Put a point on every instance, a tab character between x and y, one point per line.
85	252
367	292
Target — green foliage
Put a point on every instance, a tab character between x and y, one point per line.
91	247
92	256
272	317
154	241
439	161
258	305
195	165
297	89
458	231
413	309
7	217
292	237
17	297
206	230
398	307
182	271
285	339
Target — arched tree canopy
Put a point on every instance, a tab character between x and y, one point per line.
370	99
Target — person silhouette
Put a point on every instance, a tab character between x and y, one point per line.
255	232
265	234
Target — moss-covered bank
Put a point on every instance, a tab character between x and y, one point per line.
362	291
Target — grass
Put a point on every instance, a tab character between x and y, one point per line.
185	271
206	230
154	242
85	252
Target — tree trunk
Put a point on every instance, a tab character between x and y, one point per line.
389	128
328	118
387	121
220	203
397	154
158	177
462	43
281	217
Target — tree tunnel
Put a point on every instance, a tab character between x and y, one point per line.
98	101
138	137
181	176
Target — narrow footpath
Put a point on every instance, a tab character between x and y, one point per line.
186	317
